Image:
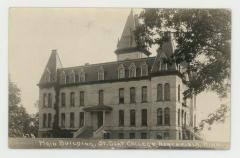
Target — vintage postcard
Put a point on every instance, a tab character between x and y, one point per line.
119	78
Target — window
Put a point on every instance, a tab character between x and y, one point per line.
132	95
81	98
132	118
159	136
166	92
144	117
63	99
44	120
49	120
67	78
166	135
72	99
49	100
72	77
82	76
159	117
162	65
132	135
159	92
62	78
72	119
144	70
179	117
44	99
132	71
144	94
185	118
101	74
100	97
121	71
178	92
81	119
143	135
166	116
63	120
120	136
121	118
121	96
76	77
182	116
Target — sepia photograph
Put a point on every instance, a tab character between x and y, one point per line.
119	78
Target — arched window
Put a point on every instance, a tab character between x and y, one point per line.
132	70
72	77
144	70
179	93
166	92
101	74
121	71
62	78
167	116
159	92
82	75
159	116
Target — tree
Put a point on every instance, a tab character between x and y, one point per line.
203	39
20	123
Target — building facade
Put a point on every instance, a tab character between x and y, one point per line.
135	97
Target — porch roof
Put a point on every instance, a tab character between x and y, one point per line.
98	108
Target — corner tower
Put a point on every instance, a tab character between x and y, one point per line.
127	47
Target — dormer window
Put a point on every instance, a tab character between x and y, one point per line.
72	77
81	76
144	70
62	78
121	71
101	74
132	70
162	65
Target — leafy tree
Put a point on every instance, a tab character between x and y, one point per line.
203	39
20	123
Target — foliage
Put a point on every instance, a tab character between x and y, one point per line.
202	43
21	124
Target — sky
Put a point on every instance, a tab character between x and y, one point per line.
80	35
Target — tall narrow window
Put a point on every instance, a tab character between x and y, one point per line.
81	119
144	70
63	78
132	118
166	116
121	71
121	95
121	118
159	92
81	98
185	118
100	97
159	117
132	71
144	117
179	93
67	78
72	99
144	94
63	99
82	76
44	99
182	115
132	95
49	120
72	119
76	77
72	77
49	100
179	117
63	120
166	92
101	74
44	120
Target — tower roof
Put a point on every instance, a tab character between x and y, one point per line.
127	42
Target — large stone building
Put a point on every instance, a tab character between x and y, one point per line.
136	96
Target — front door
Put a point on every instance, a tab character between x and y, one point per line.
100	118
